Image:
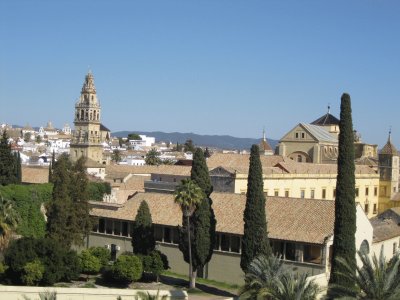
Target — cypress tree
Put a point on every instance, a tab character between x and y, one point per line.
7	162
203	219
143	231
255	237
68	219
59	210
51	166
19	168
345	208
80	221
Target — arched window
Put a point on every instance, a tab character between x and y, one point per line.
299	158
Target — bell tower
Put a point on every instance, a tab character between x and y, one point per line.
87	137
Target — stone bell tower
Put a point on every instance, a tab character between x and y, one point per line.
87	138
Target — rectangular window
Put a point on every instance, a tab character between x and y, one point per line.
366	208
323	193
102	225
95	227
224	242
217	241
334	193
175	236
158	233
375	191
290	253
235	244
167	235
117	228
366	191
312	195
276	193
357	192
287	193
131	229
302	193
375	208
312	254
109	226
125	228
297	135
303	135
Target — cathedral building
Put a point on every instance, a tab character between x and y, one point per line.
89	134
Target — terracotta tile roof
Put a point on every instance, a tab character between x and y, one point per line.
35	174
389	149
301	220
240	162
121	171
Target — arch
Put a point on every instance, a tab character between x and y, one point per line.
300	156
364	247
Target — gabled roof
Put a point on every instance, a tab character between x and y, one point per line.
320	133
104	128
326	120
386	225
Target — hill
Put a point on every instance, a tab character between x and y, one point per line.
212	141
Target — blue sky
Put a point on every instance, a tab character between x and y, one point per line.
208	67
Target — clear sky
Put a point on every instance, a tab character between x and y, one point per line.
208	67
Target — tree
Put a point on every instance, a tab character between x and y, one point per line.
143	232
8	222
38	139
134	136
345	207
27	137
188	195
266	278
18	168
255	236
189	146
127	268
153	264
204	222
116	156
207	153
153	157
68	212
375	280
178	147
51	166
7	162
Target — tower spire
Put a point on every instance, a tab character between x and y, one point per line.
264	138
390	135
329	108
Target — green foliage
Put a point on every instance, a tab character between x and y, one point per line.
178	147
375	279
255	237
18	168
153	157
90	264
189	146
148	296
345	207
8	222
68	211
127	268
96	190
199	172
45	296
27	200
116	156
134	136
103	254
207	153
143	232
266	278
7	162
153	264
59	262
33	272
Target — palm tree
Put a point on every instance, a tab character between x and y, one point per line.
8	222
266	278
375	280
188	195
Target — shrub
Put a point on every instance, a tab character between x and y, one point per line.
59	263
33	272
103	254
90	264
127	268
153	264
96	190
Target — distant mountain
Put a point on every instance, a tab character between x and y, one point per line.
214	141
